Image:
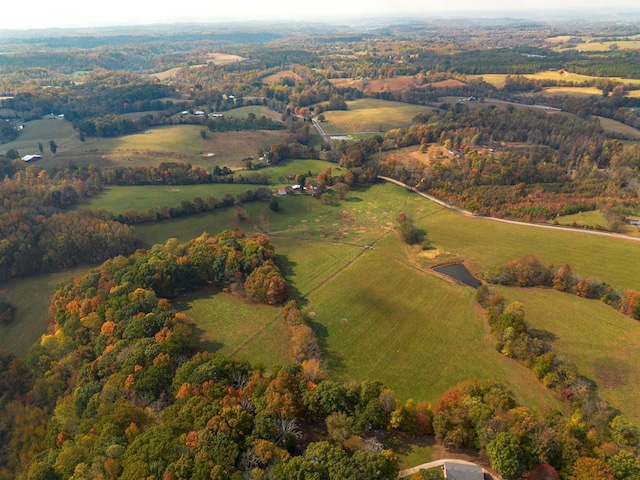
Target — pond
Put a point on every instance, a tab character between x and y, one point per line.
460	273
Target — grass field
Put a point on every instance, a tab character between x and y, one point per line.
403	314
571	91
60	131
121	199
618	128
278	77
257	110
590	219
602	343
231	327
498	79
593	46
31	297
370	116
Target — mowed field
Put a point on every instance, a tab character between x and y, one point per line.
175	143
369	115
363	300
618	128
60	131
257	110
602	343
280	76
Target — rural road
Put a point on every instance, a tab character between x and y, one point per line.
438	463
324	136
512	222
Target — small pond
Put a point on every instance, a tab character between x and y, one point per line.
460	273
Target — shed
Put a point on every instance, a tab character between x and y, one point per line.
462	471
29	158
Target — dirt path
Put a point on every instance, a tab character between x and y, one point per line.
512	222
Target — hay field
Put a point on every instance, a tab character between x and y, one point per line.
369	115
276	78
498	79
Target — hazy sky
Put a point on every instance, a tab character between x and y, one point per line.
23	14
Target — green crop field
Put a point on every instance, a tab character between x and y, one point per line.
31	297
602	343
369	115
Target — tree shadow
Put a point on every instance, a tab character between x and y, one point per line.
287	268
352	199
332	360
544	335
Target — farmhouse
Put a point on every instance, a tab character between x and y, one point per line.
462	471
31	158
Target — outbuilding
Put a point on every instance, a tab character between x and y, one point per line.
31	158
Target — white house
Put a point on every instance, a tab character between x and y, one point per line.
31	158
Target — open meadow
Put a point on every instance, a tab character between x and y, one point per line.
31	297
368	115
601	342
498	79
619	129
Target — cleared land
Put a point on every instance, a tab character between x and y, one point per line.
618	128
498	79
370	116
602	343
355	312
589	219
60	131
31	297
215	58
232	327
257	110
571	91
280	76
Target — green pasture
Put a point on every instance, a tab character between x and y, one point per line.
487	244
257	110
368	115
60	131
230	326
31	296
281	172
140	197
601	342
590	219
368	299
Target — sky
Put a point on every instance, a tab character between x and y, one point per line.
16	14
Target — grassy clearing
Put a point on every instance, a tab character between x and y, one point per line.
257	110
498	79
604	344
177	143
571	91
60	131
589	219
618	128
592	46
232	327
370	116
279	173
280	76
121	199
31	297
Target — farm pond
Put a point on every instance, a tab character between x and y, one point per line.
460	273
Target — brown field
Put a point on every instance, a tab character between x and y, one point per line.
571	91
498	79
615	127
395	84
448	83
278	77
215	58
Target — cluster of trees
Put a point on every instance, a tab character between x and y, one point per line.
37	235
530	272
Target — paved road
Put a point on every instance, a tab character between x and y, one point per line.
438	463
512	222
324	136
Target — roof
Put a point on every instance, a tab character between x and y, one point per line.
462	471
28	158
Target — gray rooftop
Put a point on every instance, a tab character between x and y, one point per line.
460	471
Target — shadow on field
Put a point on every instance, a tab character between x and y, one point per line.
547	337
287	267
352	199
207	344
332	360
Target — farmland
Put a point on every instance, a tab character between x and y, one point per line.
370	116
498	79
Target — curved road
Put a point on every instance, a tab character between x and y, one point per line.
512	222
